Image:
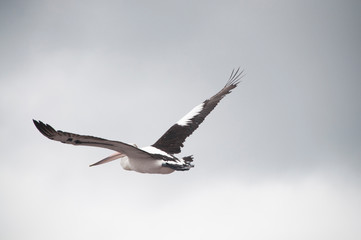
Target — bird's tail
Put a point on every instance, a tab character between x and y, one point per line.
181	165
188	159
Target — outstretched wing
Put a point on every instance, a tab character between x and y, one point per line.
83	140
172	141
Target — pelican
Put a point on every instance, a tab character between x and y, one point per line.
157	158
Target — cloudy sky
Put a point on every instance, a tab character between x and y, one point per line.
279	158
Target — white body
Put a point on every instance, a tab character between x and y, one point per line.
144	165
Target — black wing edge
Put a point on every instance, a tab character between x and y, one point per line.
72	138
45	129
75	139
235	78
172	140
85	140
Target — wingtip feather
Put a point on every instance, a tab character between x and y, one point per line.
45	129
235	77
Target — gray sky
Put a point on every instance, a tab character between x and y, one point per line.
279	158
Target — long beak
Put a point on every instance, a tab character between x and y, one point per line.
112	157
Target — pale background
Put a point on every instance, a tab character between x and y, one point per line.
279	158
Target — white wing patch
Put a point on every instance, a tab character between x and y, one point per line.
153	150
187	118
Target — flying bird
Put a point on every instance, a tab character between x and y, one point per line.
158	158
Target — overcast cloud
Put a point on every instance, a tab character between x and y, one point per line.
279	158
